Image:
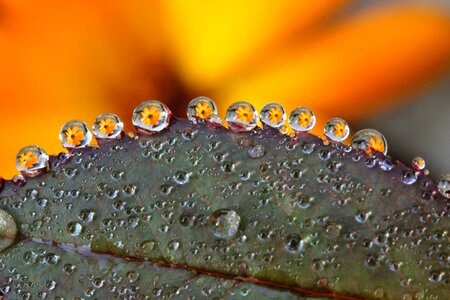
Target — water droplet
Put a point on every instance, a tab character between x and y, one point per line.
409	176
302	119
8	230
173	245
75	134
273	115
201	108
187	220
181	177
241	116
32	161
257	151
107	126
294	243
370	140
30	257
225	223
418	163
74	228
444	186
337	129
362	216
87	215
151	116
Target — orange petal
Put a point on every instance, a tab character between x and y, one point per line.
356	68
63	61
210	40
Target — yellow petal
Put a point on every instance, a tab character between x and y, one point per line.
210	40
354	69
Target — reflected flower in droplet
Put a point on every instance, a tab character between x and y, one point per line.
241	116
337	129
302	119
151	116
75	134
370	140
107	126
201	108
32	160
273	115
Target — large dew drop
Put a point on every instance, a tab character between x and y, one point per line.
302	119
32	161
201	108
370	140
151	116
273	115
107	126
225	223
75	134
8	230
241	116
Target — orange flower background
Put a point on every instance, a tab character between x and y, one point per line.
61	62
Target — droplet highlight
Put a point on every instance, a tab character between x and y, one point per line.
75	134
302	119
273	115
32	161
151	116
241	116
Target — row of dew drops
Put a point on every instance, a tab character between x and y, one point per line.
153	116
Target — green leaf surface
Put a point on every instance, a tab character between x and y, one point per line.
261	211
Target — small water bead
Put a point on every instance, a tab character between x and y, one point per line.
370	140
444	186
74	228
225	223
418	163
273	115
294	243
86	215
32	161
241	116
8	230
107	126
151	116
257	151
201	108
181	177
337	129
302	119
75	134
409	176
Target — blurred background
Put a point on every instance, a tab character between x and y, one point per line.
378	64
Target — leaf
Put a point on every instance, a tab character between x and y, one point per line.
259	211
